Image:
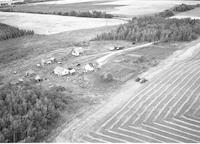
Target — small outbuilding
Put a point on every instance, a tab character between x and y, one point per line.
89	67
38	78
72	71
77	51
20	80
38	65
60	71
30	73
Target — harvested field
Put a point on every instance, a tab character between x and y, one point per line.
165	109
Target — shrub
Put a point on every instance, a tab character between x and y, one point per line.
91	14
184	7
166	14
107	77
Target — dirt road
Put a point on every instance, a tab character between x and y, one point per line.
103	60
129	116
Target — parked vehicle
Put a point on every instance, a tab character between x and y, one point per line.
143	80
137	79
116	48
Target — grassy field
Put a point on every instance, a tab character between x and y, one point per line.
31	46
116	7
50	8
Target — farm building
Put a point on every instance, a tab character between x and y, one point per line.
60	71
89	67
77	51
71	71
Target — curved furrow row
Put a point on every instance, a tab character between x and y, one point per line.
127	111
163	111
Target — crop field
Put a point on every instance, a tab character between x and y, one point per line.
63	6
116	7
141	7
52	24
165	109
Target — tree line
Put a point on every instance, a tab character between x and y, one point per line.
7	32
28	111
177	9
155	28
89	14
184	7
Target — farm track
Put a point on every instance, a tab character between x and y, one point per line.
167	109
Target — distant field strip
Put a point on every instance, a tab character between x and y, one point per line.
167	109
53	24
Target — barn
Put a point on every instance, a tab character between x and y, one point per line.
60	71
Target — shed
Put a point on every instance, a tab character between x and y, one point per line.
72	71
89	67
77	51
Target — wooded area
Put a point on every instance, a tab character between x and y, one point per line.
28	111
7	32
155	28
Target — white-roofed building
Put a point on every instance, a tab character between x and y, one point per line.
60	71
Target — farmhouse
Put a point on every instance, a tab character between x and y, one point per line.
77	51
